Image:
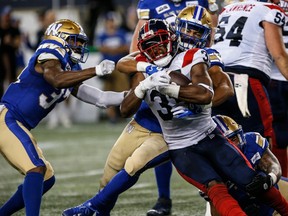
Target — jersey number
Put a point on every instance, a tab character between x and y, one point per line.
235	32
46	101
163	107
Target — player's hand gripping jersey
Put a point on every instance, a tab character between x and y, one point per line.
190	131
234	39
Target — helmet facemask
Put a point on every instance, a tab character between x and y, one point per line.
77	46
194	25
192	34
159	45
71	35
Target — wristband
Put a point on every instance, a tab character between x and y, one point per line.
274	177
141	66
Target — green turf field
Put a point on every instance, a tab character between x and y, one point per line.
78	155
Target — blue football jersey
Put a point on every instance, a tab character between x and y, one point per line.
164	9
31	97
145	117
254	148
215	58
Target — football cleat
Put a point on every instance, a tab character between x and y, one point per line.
84	209
162	207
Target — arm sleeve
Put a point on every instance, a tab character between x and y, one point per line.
95	96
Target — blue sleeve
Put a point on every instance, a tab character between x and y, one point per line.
215	58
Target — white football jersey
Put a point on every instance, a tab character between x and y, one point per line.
180	133
240	36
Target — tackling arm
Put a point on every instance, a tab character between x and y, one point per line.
58	78
270	165
131	102
133	46
222	85
102	99
129	64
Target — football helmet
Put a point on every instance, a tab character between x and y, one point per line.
72	36
158	41
193	25
229	128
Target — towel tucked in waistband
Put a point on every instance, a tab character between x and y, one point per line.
241	92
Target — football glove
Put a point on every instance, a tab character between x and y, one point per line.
105	67
147	68
172	90
181	111
259	184
157	79
151	69
251	209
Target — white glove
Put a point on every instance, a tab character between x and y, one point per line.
171	90
160	78
105	67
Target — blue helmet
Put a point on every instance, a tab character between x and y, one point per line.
194	25
72	36
229	128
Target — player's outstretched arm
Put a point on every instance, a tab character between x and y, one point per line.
133	46
222	85
129	65
97	97
131	102
270	164
270	176
58	78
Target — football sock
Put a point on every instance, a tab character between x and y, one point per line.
16	202
105	200
274	199
32	193
163	174
224	203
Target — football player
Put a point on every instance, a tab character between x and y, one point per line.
52	73
146	127
278	94
249	37
166	10
256	149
